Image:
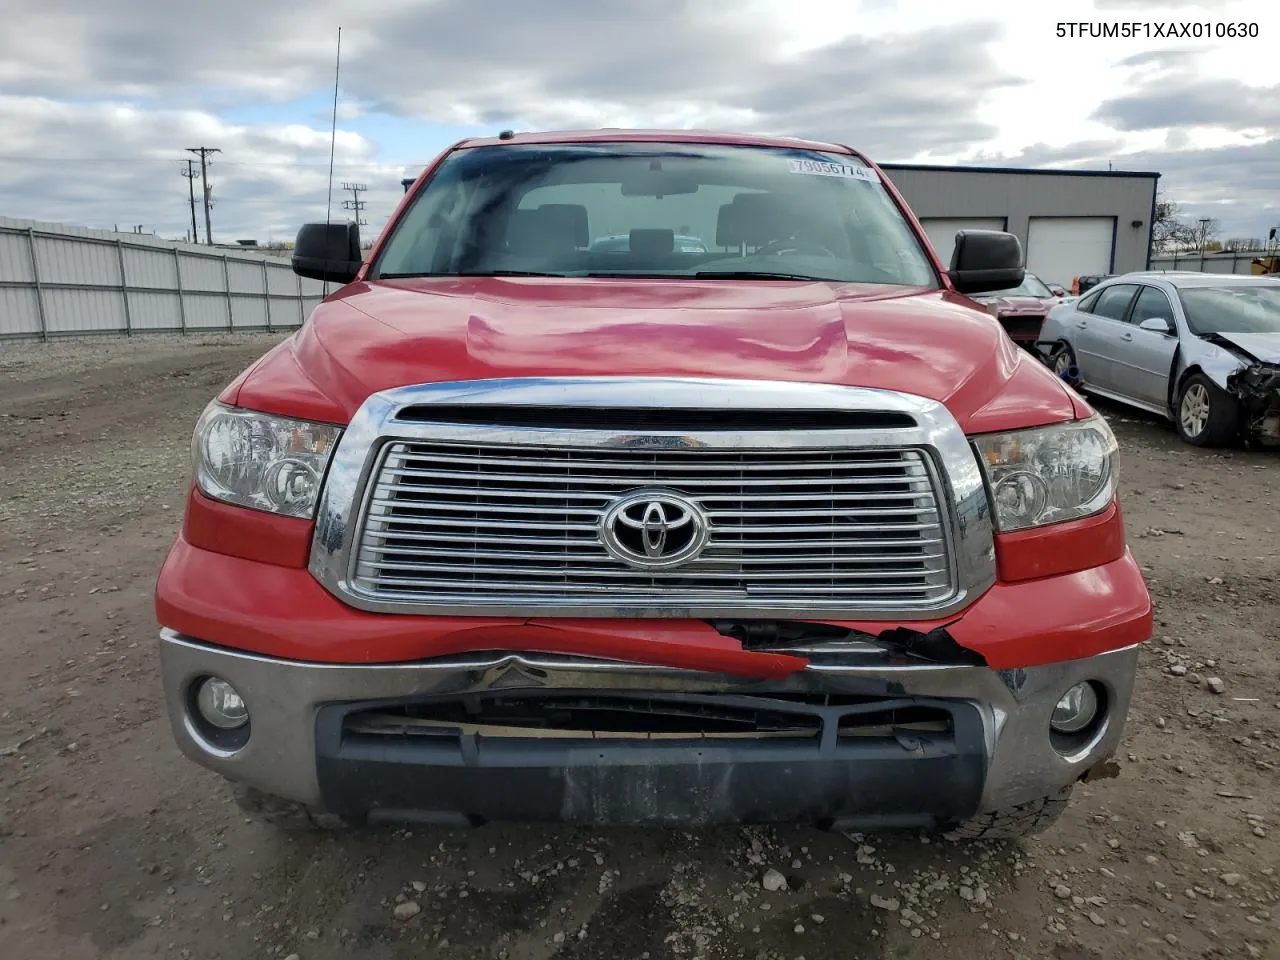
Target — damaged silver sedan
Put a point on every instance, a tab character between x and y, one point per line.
1201	349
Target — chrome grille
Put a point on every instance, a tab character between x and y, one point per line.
490	522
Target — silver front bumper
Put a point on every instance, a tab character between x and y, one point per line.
283	698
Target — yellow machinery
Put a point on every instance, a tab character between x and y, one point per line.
1262	266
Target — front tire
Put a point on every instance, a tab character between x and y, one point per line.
1205	414
1015	823
287	815
1064	358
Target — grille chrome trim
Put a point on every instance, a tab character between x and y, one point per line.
961	556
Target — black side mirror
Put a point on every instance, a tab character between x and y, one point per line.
328	251
986	260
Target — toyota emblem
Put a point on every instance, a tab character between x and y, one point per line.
653	529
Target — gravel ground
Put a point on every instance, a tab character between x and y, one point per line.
113	846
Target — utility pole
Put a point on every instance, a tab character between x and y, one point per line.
190	174
355	204
204	180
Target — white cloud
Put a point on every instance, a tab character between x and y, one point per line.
104	163
903	79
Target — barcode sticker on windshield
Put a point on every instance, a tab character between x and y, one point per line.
822	168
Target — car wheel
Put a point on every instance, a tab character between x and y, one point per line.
1063	360
1206	415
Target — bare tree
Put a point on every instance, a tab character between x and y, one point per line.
1169	231
1205	231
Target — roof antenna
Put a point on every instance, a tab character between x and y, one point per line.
333	138
507	135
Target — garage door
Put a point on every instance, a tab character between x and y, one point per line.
1062	248
942	233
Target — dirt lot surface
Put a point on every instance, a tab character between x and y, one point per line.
114	846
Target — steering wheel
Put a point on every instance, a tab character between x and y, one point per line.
795	246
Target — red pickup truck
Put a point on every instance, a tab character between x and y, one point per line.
776	527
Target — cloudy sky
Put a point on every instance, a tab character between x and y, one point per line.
98	101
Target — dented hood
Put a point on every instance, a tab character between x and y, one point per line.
373	336
1263	347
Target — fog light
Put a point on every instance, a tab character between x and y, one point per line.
220	705
1076	710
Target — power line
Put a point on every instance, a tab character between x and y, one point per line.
313	199
190	174
266	164
204	180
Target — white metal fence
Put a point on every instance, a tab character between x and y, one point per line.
58	280
1209	262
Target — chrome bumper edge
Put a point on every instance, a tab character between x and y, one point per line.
284	697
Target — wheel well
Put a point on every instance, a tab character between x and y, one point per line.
1176	385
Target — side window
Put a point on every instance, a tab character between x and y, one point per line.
1086	303
1151	303
1113	301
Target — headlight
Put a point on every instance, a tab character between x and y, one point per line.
257	460
1049	474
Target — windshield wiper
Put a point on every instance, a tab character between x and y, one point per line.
637	275
701	274
758	275
471	273
508	273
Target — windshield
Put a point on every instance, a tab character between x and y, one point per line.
1234	309
1030	287
655	210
